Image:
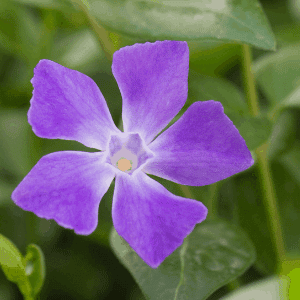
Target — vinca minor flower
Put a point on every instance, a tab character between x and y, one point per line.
202	147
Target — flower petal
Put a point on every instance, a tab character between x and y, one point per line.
201	148
153	80
66	186
67	104
151	219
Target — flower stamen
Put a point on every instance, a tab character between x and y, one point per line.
124	164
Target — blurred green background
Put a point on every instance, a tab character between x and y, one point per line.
84	267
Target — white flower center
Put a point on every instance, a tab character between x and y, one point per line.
127	152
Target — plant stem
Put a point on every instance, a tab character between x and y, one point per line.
268	190
103	36
187	191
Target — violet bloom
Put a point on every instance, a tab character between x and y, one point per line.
202	147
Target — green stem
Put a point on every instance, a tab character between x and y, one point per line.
213	198
187	191
268	190
102	35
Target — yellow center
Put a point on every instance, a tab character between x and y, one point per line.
124	164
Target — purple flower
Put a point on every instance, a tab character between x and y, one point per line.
202	147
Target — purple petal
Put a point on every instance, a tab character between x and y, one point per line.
152	78
201	148
67	104
67	187
151	219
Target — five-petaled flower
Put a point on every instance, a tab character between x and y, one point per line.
202	147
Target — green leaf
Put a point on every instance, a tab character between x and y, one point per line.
28	273
272	288
214	254
241	21
278	73
13	266
35	267
254	130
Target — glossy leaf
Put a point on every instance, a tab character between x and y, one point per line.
214	254
241	21
35	267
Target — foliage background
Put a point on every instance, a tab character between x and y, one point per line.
85	267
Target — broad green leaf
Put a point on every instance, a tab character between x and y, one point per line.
241	21
272	288
13	266
278	73
35	267
214	254
283	134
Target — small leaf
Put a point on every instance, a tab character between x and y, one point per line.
35	267
12	263
211	256
241	21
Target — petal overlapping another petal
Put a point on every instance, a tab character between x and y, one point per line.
67	104
201	148
66	186
151	219
153	80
